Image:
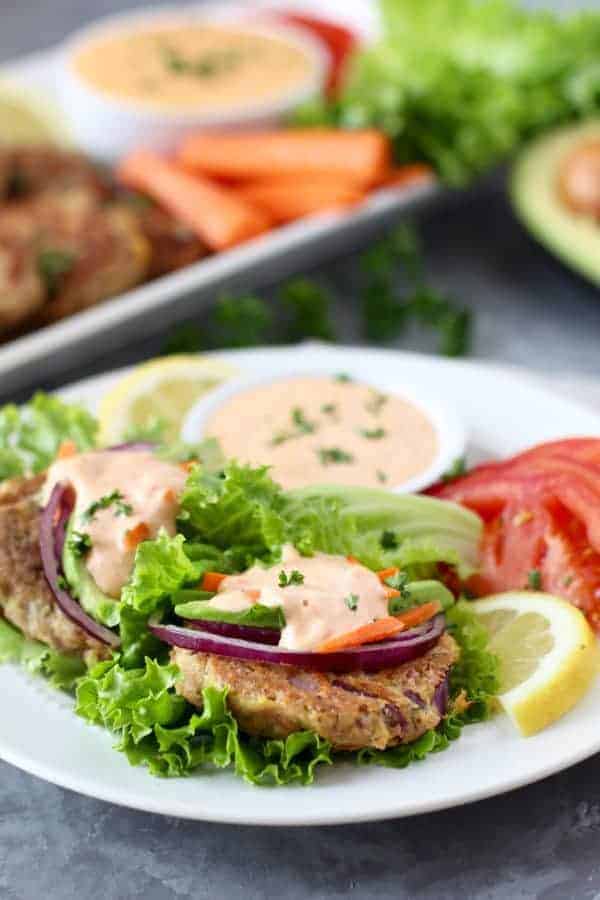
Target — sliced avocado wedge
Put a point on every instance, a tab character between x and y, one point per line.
258	616
574	238
97	604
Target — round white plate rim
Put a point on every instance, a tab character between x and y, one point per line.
277	807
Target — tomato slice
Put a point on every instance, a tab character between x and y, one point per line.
340	43
541	511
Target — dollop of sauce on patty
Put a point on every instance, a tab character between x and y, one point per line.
325	596
117	493
326	430
193	66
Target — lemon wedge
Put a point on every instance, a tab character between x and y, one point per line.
548	654
29	118
158	393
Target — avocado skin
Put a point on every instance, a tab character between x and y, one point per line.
573	238
96	603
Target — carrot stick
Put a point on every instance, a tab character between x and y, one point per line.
136	535
218	216
418	614
211	581
365	634
363	156
286	199
66	450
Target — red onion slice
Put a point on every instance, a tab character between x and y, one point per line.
369	658
53	522
242	632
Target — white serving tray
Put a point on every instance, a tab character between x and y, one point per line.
152	308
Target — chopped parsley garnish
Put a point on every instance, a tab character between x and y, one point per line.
534	580
375	403
329	409
333	455
301	422
342	377
456	470
567	581
373	434
295	577
80	543
388	540
351	601
206	66
398	582
115	498
52	264
62	583
301	426
381	476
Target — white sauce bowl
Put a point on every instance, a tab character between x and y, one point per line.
108	127
451	435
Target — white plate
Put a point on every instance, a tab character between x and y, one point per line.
151	308
503	413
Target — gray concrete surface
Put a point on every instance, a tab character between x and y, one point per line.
540	842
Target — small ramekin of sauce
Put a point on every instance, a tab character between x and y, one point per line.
331	429
149	79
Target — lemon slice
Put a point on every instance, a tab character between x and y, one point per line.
158	392
548	655
29	118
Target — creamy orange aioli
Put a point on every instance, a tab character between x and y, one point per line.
326	431
193	66
150	486
315	610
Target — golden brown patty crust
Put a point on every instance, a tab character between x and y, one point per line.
379	709
25	598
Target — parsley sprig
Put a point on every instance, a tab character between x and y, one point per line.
115	498
351	602
80	543
333	456
285	580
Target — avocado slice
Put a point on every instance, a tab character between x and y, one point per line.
574	238
95	602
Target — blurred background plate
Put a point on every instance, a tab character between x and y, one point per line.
149	310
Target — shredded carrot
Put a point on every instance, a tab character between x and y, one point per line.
353	559
365	634
418	614
170	496
136	535
187	466
252	595
388	573
66	450
211	581
392	592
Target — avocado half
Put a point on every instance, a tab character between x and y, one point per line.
574	238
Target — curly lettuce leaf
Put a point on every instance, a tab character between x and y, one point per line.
61	669
161	567
475	678
241	507
159	729
30	435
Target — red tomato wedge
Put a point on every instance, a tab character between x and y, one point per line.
339	41
541	510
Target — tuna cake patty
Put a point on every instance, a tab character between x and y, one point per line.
352	711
